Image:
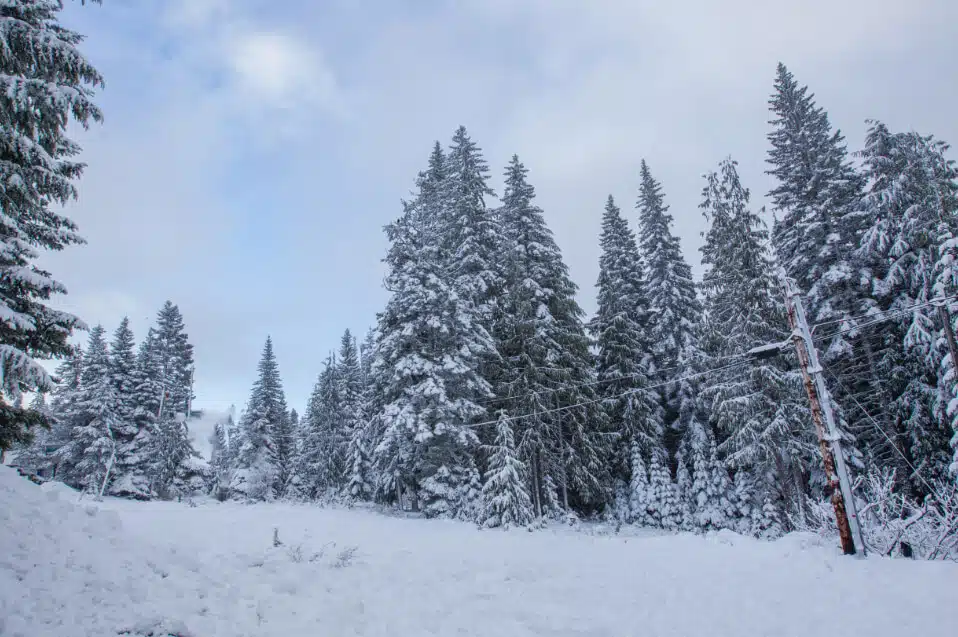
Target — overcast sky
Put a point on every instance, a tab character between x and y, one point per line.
253	149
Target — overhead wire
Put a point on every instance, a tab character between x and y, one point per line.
634	390
891	442
552	390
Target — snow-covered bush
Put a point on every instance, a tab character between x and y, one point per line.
893	524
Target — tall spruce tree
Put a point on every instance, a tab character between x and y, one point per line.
45	82
432	341
909	250
675	310
353	390
757	409
326	435
259	470
220	458
93	448
546	376
175	355
469	230
674	306
625	359
505	494
817	203
133	447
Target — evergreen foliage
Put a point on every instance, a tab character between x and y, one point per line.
45	83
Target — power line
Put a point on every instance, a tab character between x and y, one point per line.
604	398
891	442
876	319
552	390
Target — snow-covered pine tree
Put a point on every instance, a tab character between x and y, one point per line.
624	364
93	449
53	453
909	250
457	186
326	435
171	455
545	377
359	481
367	352
674	308
175	355
663	504
432	340
758	409
133	449
122	368
817	202
148	389
505	495
353	393
258	472
44	83
220	458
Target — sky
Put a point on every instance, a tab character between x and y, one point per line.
252	150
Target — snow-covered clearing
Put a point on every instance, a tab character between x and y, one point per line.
69	569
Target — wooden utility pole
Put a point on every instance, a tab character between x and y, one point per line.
949	333
829	438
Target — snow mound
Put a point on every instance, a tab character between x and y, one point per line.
73	568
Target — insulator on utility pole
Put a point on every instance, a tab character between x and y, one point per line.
829	438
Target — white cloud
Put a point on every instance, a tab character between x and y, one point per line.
266	68
284	71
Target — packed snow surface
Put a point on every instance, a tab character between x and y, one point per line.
72	568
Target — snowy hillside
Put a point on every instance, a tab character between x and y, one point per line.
81	569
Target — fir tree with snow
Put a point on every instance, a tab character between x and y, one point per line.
175	354
817	202
133	446
759	410
625	363
432	343
662	502
545	377
909	249
93	446
471	236
505	496
674	310
220	457
45	82
326	431
263	459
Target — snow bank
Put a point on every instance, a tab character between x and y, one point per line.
72	569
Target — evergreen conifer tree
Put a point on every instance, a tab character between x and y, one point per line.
817	200
625	353
432	342
909	249
133	448
505	496
758	409
44	83
175	354
674	308
219	458
93	448
545	377
263	452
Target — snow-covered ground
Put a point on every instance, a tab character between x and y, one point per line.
70	569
